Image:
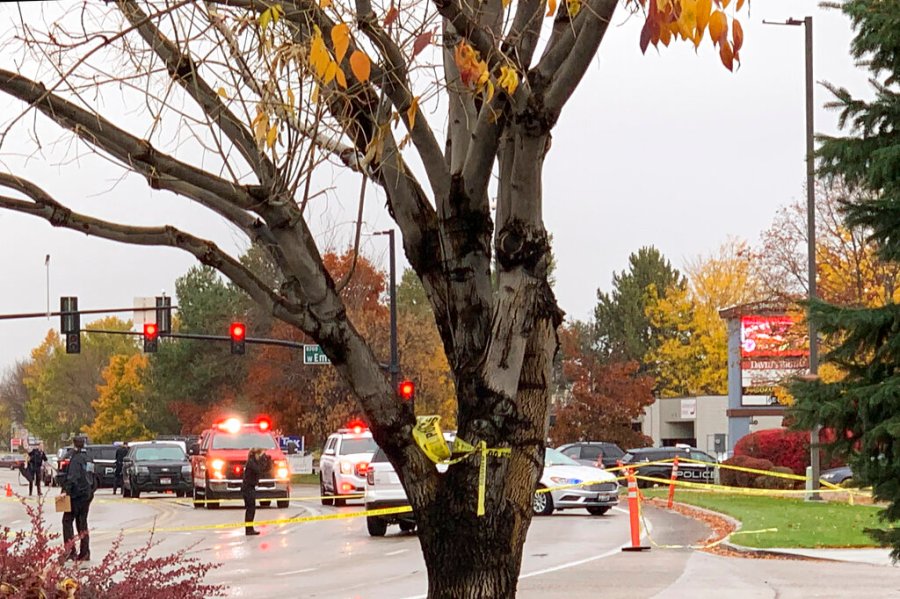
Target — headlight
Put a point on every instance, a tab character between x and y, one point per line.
346	468
565	481
185	470
143	470
281	469
217	465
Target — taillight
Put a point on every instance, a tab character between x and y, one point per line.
361	469
64	464
370	475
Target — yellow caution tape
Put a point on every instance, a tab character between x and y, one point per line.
429	437
734	490
482	470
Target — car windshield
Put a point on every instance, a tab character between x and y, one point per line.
556	458
358	445
244	440
167	452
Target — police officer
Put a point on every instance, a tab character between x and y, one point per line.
121	452
79	486
258	465
36	459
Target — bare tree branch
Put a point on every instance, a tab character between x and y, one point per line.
522	39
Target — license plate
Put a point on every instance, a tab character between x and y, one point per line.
165	481
603	498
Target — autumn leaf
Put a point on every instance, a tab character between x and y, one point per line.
726	54
725	3
645	37
687	20
573	6
472	71
718	27
221	91
360	65
422	41
340	78
551	8
323	4
290	98
340	37
318	54
508	80
411	112
272	136
330	72
740	4
260	126
704	8
391	16
737	33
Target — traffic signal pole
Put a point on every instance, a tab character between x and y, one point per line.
395	356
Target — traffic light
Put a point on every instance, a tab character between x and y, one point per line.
151	337
238	335
164	314
70	324
407	390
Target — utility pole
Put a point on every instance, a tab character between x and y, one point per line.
807	23
395	358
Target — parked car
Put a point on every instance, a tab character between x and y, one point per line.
700	473
103	458
157	466
587	452
597	496
383	490
344	462
837	476
13	461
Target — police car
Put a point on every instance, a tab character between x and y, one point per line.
344	462
690	471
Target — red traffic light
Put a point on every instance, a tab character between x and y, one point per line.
151	331
407	390
238	331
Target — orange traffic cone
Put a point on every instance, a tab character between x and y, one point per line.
672	481
9	490
634	513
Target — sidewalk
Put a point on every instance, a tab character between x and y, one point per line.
875	557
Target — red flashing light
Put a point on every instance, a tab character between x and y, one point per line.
357	426
238	331
407	390
151	331
263	423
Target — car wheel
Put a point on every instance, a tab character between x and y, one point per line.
376	526
197	503
337	501
283	503
266	503
597	511
407	526
325	499
542	504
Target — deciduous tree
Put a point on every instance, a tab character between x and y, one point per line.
268	91
122	403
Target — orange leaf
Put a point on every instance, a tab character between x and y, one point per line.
422	41
726	55
718	26
391	16
725	3
411	113
360	65
551	8
340	78
740	3
737	33
704	8
340	37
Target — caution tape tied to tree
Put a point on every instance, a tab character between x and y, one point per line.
429	437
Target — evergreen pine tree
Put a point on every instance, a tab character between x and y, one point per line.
864	407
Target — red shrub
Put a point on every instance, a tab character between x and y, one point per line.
782	447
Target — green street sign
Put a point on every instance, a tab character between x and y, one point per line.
313	354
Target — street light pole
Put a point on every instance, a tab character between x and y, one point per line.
395	358
807	23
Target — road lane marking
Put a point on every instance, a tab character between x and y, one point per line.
398	552
295	572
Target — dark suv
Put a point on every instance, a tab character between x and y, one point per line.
587	452
157	466
699	473
102	456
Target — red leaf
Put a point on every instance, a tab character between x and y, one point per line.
737	33
726	54
645	37
391	16
422	42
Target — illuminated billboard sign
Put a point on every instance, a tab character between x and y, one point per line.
773	348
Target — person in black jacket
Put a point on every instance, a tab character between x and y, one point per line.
258	466
79	486
36	459
121	452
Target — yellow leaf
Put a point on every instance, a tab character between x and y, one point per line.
360	65
687	20
340	78
509	79
506	3
260	127
488	91
411	112
704	8
323	4
264	18
340	37
221	91
330	72
290	98
272	136
574	7
551	7
277	11
718	26
318	54
314	97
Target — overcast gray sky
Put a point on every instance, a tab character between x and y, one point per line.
668	149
